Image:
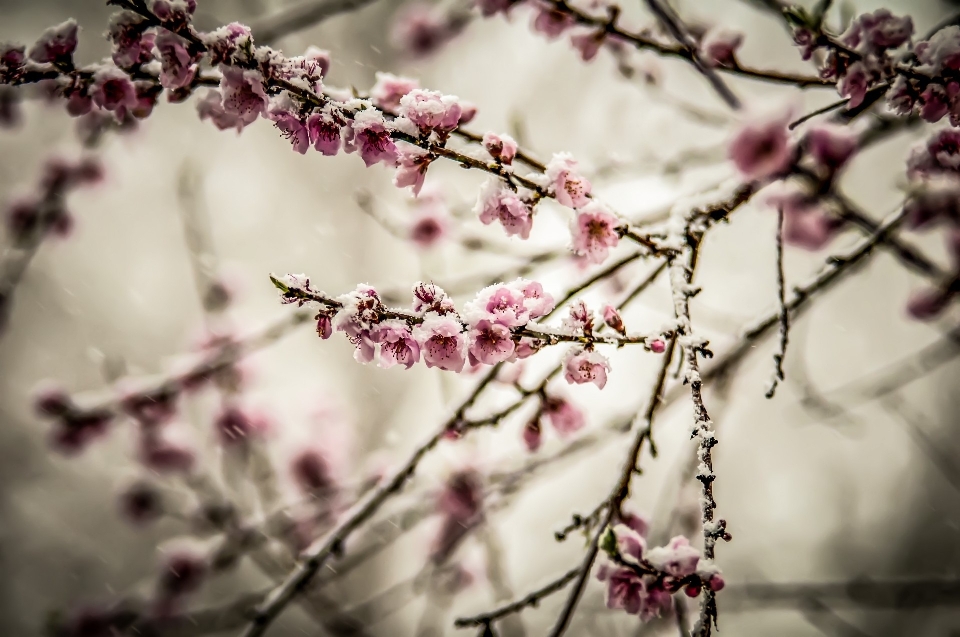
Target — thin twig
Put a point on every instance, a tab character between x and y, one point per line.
669	19
784	313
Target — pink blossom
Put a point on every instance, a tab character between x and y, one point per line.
937	199
490	343
291	127
429	228
580	320
428	298
324	326
927	304
498	203
565	417
312	473
132	45
358	318
941	51
72	433
570	188
397	345
853	85
173	13
324	131
657	346
224	44
368	134
805	223
586	366
532	435
321	57
442	342
625	588
12	58
588	43
537	302
939	155
594	232
612	318
875	32
934	103
901	97
51	400
762	149
210	106
412	168
677	558
177	64
502	148
638	523
431	110
243	94
389	89
112	89
57	44
719	46
551	22
468	110
830	146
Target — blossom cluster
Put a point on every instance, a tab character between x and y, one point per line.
32	217
641	580
864	56
934	200
496	326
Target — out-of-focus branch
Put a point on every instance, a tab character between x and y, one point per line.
674	25
269	29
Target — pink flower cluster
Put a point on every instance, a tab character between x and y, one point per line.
641	581
934	200
868	54
45	212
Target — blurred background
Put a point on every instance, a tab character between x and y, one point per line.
842	480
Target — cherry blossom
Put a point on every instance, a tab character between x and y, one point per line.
431	110
532	435
411	168
367	134
442	342
429	228
719	46
389	89
56	45
594	231
323	130
586	366
502	148
499	203
490	343
853	85
551	22
762	148
612	318
568	186
588	43
291	127
430	298
112	89
178	68
233	42
397	344
132	44
565	417
312	473
243	94
805	222
830	146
